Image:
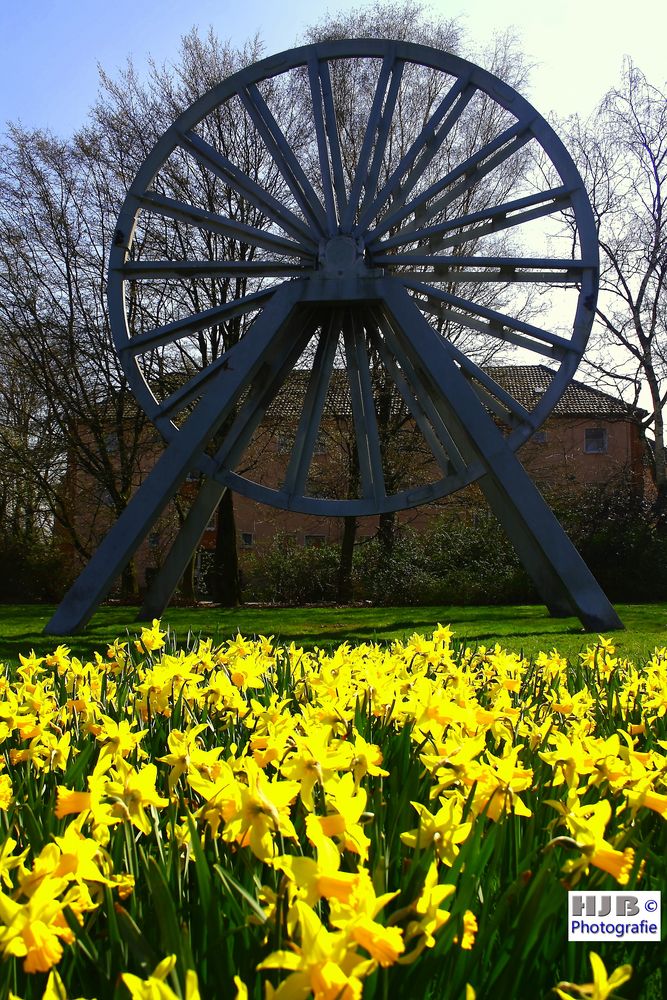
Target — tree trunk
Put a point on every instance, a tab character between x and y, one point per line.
187	586
660	508
225	580
659	457
129	586
344	585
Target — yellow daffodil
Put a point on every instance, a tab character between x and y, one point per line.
6	792
427	916
262	813
186	756
315	760
325	964
31	930
321	879
155	987
587	823
130	792
118	739
343	823
9	861
601	987
152	639
59	659
444	829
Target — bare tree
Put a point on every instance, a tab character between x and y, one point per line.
60	201
622	154
55	227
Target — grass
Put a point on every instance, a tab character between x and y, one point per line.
526	628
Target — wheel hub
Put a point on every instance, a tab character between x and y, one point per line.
341	256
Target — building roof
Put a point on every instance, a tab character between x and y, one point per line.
525	383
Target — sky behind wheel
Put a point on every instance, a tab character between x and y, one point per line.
50	49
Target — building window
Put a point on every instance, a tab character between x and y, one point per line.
247	539
595	440
314	541
540	437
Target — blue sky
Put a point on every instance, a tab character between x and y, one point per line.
50	49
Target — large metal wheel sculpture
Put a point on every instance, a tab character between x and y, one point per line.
370	251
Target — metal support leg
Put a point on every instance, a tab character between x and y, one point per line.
168	576
551	560
120	544
276	365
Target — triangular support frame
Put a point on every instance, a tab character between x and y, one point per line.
259	363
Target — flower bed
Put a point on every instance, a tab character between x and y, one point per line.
260	820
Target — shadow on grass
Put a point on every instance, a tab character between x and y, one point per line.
518	627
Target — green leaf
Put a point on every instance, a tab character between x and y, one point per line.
171	937
228	881
202	870
141	948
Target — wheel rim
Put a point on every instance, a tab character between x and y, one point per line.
342	212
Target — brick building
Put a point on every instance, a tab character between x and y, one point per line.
590	439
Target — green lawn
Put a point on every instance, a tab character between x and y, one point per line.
519	627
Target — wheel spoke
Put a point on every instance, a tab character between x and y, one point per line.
144	269
287	163
332	135
513	411
244	186
488	329
471	171
401	350
417	401
313	407
322	150
427	144
193	388
363	411
419	381
502	403
257	338
494	269
171	332
215	223
456	276
499	218
499	324
371	182
434	355
276	366
378	125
